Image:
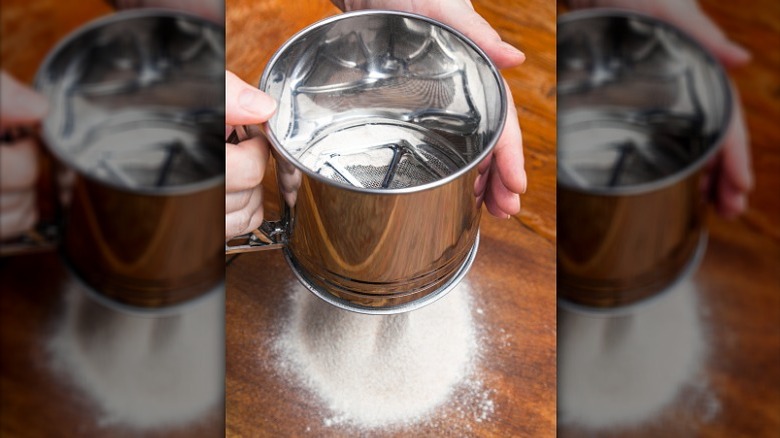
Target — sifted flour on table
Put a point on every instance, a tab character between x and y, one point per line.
142	371
621	371
377	371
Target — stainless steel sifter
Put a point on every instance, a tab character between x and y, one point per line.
382	120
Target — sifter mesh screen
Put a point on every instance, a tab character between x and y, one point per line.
391	154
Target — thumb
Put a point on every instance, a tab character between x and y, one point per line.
245	104
19	104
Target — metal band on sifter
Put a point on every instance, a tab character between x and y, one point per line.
390	310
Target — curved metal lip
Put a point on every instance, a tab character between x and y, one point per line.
405	190
629	309
390	310
691	168
97	23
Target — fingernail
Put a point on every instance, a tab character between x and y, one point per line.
525	183
731	209
512	49
740	52
255	101
524	178
733	55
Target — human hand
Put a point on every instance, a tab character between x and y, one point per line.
730	176
502	177
244	162
20	107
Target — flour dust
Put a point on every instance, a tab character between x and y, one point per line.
384	371
622	371
142	371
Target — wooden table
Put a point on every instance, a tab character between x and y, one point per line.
513	277
739	278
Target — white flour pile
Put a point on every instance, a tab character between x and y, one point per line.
378	371
622	371
142	371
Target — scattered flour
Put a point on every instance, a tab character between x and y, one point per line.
378	371
142	371
621	371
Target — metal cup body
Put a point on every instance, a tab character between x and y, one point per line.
144	250
382	122
137	121
382	251
618	250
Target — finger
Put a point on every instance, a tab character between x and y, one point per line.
709	34
15	222
16	200
704	30
500	201
245	199
289	179
245	164
66	180
243	221
484	165
735	176
19	104
731	200
736	162
480	184
18	165
461	16
213	10
245	104
494	209
508	153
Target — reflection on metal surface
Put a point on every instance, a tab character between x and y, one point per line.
641	109
415	156
383	100
371	304
138	114
134	101
382	120
382	250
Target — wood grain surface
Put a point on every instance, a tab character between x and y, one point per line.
513	277
738	281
